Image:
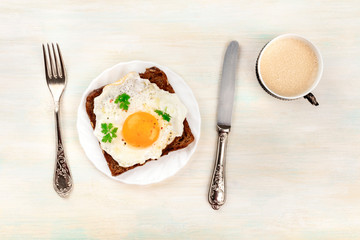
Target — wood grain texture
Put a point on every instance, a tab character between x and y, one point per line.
293	170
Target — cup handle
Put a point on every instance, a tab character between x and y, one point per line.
311	98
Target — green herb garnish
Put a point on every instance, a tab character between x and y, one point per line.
123	99
164	115
109	132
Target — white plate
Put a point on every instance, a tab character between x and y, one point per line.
153	171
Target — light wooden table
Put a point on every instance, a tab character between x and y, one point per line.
293	170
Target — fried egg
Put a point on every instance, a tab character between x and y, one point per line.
135	120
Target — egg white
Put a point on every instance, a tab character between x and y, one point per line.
146	97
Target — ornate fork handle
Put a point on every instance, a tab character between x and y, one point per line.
62	176
217	185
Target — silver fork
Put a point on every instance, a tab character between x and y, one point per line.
56	81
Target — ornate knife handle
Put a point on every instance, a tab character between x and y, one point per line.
62	176
217	185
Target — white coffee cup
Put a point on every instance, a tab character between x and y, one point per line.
306	94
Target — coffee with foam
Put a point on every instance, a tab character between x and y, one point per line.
289	67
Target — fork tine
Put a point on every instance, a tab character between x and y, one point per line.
46	63
61	61
52	68
57	69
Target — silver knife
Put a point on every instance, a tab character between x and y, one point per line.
224	112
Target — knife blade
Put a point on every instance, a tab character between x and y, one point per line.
227	85
216	194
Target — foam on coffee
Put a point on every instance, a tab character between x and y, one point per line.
289	67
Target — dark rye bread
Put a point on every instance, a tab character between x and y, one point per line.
155	75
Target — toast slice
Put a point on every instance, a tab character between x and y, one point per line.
155	75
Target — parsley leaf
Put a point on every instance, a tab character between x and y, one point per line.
123	99
109	132
107	138
164	115
104	128
113	132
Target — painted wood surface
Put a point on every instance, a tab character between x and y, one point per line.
293	170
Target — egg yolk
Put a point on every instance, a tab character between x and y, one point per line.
140	129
